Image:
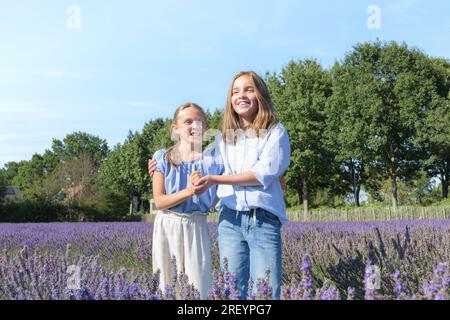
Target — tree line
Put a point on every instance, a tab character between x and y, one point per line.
380	116
375	124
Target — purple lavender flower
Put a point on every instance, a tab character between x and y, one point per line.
306	282
438	287
169	293
398	286
263	289
113	256
350	293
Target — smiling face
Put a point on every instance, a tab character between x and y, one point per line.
248	105
244	99
190	125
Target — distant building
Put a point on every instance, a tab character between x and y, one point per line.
12	193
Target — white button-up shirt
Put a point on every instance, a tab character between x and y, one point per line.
267	157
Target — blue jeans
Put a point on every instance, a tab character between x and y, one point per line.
252	244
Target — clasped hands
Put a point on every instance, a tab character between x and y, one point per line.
198	183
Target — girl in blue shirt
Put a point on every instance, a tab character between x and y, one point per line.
180	229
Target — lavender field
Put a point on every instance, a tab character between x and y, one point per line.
328	260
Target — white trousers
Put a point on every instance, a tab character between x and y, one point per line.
185	237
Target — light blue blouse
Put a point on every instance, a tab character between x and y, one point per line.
268	157
176	179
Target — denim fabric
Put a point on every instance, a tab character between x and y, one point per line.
251	243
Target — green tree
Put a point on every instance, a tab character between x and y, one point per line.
434	129
299	94
350	123
38	178
76	178
398	87
418	191
31	176
155	135
77	159
125	169
9	171
215	119
2	195
80	144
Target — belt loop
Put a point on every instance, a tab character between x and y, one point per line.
237	213
254	215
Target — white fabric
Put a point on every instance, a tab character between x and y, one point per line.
267	157
185	236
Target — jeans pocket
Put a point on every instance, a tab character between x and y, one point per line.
270	217
267	232
222	212
227	216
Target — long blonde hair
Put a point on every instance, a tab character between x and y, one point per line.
173	159
265	117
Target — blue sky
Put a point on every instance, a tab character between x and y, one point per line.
123	63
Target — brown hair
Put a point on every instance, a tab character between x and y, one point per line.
265	117
172	157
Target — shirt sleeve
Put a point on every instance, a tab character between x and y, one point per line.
275	157
160	157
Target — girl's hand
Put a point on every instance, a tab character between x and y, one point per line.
151	167
193	178
204	183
